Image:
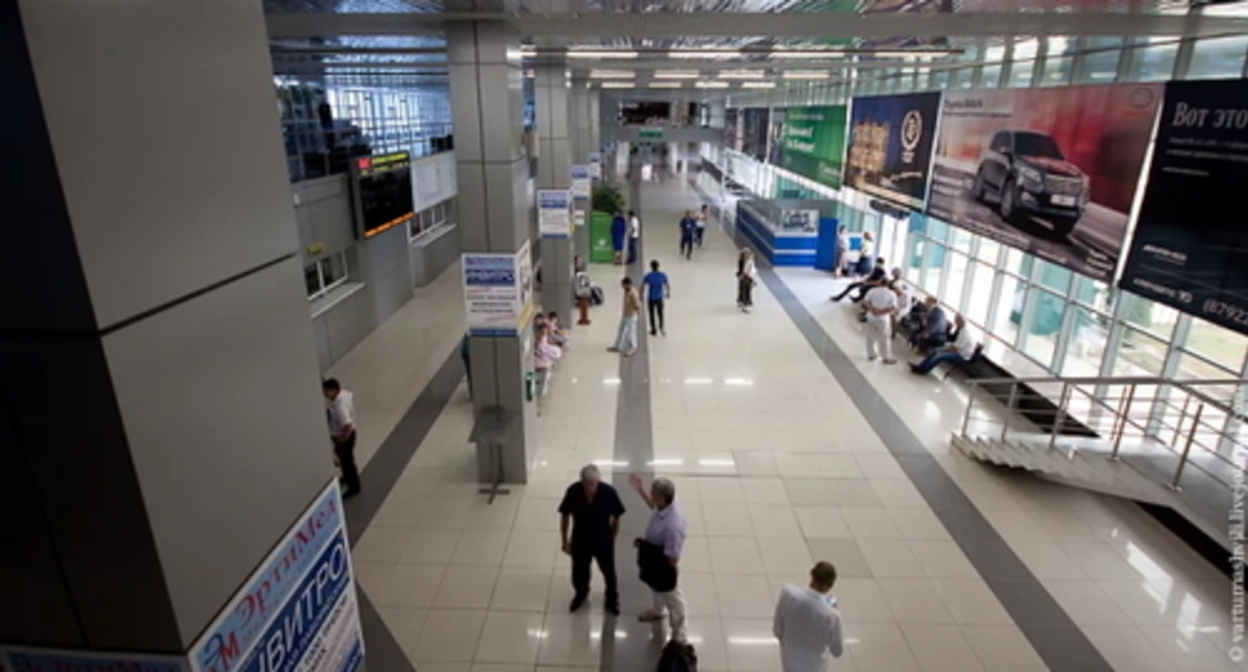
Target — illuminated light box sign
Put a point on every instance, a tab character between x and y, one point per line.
383	192
298	611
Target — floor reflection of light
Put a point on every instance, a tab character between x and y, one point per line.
618	634
716	463
1139	559
667	462
738	382
611	463
698	381
538	634
610	381
752	640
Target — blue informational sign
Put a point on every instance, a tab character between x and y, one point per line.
554	212
298	611
498	290
581	181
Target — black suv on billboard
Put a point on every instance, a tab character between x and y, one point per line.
1027	175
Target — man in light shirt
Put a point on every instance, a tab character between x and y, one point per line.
340	412
958	353
880	303
659	551
808	624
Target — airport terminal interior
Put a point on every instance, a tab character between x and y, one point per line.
323	321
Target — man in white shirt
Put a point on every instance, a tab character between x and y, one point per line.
340	412
808	624
958	353
634	234
880	303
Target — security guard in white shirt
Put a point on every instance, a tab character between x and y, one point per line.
808	624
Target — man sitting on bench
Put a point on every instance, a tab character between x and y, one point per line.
958	353
935	332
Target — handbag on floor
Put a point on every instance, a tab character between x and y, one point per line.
678	657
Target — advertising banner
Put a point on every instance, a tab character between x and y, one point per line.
1049	171
497	291
47	660
554	212
1190	249
813	143
890	146
581	180
298	610
755	124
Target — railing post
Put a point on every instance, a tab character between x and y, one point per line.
1059	418
1009	411
970	402
1122	421
1191	438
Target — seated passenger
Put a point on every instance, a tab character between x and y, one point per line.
958	353
555	334
935	331
545	353
877	274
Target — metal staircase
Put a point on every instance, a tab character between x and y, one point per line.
1176	444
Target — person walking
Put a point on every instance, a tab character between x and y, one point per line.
880	303
704	215
688	234
747	275
658	553
626	337
340	412
658	291
808	623
619	230
634	235
592	509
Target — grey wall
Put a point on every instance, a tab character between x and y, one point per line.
323	213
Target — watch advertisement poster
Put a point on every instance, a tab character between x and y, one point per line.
1190	248
1050	171
890	146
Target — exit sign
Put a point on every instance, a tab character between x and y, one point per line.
651	134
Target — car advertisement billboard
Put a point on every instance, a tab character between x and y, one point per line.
1190	248
1049	171
890	146
755	123
813	143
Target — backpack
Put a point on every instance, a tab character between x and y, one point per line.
596	297
678	657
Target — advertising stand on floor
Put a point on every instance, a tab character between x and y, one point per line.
298	611
890	146
1051	171
1190	249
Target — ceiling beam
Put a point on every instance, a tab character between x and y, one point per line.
593	26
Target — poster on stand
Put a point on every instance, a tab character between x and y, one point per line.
298	611
554	212
1190	248
813	143
582	177
890	146
498	291
755	125
1050	171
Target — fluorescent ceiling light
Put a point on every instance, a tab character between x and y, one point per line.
758	85
618	85
676	74
611	74
528	51
742	74
806	74
602	54
704	53
912	54
711	85
806	53
666	85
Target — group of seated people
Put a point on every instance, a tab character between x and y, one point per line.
549	341
930	331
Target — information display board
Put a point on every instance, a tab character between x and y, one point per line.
498	291
554	212
1190	249
813	143
433	180
1050	171
890	146
298	611
382	186
582	179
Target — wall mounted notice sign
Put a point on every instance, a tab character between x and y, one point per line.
595	165
890	146
812	143
554	212
48	660
1190	249
1050	171
498	289
581	180
298	612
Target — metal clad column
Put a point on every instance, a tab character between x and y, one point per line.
582	146
487	107
552	88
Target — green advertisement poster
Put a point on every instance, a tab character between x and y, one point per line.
814	143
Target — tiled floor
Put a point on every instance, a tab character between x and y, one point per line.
775	467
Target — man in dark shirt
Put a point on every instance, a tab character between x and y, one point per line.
878	273
594	509
688	232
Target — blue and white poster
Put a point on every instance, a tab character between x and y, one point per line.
298	611
554	212
595	165
48	660
581	179
498	289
